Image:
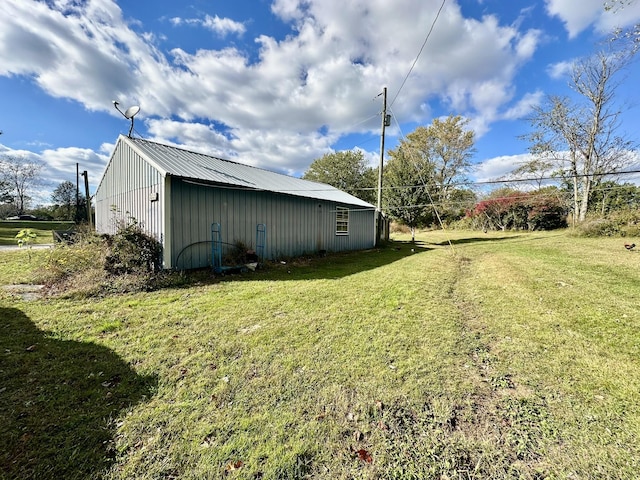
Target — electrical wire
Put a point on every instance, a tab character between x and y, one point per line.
433	24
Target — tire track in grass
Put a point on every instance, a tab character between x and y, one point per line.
506	420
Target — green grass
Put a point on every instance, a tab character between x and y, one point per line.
10	228
501	356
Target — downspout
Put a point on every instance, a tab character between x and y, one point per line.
167	237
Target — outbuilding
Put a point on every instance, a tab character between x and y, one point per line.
189	201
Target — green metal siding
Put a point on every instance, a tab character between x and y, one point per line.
295	226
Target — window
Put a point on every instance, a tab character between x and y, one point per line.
342	221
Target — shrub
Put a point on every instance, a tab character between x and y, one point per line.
67	260
95	265
622	223
132	251
397	227
513	210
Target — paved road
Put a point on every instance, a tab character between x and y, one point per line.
16	247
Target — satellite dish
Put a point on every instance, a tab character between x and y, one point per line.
131	111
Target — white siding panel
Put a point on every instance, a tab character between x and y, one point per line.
127	191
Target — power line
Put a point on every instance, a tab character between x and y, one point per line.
419	53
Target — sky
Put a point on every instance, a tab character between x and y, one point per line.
279	83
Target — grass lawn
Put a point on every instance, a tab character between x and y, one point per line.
10	228
464	356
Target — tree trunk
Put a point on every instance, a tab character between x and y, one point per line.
584	204
576	202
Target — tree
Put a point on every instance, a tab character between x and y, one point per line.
64	196
21	174
506	208
5	191
580	140
447	146
425	169
406	191
628	35
610	196
346	170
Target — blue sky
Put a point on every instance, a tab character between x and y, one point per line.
278	83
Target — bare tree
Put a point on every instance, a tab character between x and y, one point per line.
630	35
21	174
579	139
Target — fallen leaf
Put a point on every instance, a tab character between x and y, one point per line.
364	456
234	466
31	348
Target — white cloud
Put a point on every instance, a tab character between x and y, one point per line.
592	12
59	165
220	26
524	106
560	69
499	167
224	26
269	109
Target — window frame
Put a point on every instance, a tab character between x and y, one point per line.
342	221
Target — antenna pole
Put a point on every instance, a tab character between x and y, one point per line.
381	166
131	128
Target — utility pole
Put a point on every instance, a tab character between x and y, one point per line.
386	121
86	189
77	215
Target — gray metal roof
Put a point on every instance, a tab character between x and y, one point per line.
195	166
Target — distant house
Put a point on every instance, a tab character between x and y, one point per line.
177	196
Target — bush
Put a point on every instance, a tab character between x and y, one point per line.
132	251
513	210
397	227
94	265
67	260
622	223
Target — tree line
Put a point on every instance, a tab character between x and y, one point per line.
574	142
19	176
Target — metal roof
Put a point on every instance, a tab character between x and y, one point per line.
179	162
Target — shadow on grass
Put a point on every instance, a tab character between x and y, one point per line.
58	402
461	241
333	265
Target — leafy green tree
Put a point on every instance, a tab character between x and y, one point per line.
448	146
346	170
424	170
460	201
406	194
64	196
611	196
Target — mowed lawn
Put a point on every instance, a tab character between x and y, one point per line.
463	356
